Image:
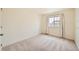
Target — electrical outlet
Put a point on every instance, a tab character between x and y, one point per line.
1	34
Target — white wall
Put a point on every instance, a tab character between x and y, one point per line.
19	24
68	23
0	29
77	28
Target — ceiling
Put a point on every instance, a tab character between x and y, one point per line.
36	10
45	10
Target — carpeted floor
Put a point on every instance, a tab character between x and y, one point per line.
42	43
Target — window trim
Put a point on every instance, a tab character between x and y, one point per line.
53	23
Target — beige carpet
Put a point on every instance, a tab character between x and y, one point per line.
42	43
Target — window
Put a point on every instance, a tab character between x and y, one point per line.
54	21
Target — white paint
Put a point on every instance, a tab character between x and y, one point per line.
0	29
19	24
45	10
50	10
77	27
68	24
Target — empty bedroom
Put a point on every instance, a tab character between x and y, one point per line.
39	29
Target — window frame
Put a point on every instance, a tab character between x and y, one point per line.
54	21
